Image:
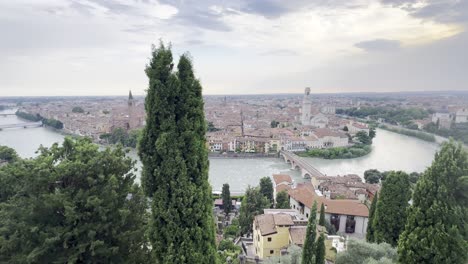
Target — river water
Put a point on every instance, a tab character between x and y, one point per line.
390	151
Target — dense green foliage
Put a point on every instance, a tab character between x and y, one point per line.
266	189
232	230
390	214
331	230
310	245
458	131
282	200
355	151
322	215
416	134
274	124
320	250
211	127
228	250
37	117
372	176
226	196
175	163
370	224
122	136
388	114
72	204
359	252
28	116
436	229
253	204
77	109
363	138
52	123
7	154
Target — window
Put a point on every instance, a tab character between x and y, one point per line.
272	251
258	237
307	215
269	239
335	221
350	224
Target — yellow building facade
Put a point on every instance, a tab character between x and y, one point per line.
271	234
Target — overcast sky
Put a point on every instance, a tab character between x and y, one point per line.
100	47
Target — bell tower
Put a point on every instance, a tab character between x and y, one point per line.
306	107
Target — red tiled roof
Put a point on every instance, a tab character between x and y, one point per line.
279	178
305	194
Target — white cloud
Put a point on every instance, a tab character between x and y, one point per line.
247	52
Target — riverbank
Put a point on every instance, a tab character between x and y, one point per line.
417	134
352	152
233	155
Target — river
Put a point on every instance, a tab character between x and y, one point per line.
390	151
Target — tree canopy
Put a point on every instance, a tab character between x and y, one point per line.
266	189
310	246
359	252
372	176
72	204
370	224
282	200
389	218
175	163
253	204
7	154
436	226
226	196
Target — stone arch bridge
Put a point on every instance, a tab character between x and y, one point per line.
298	163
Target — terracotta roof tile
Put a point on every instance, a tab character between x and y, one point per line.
279	178
305	194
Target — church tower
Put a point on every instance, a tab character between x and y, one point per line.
132	120
306	108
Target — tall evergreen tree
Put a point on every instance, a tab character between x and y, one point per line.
435	230
320	250
390	214
370	226
266	188
226	196
73	204
282	200
309	249
175	163
322	215
253	204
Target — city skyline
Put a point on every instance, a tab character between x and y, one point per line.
250	47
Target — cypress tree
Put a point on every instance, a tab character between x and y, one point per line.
322	215
390	214
175	163
226	196
266	188
320	251
308	251
435	230
370	227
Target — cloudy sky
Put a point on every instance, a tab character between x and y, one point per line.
100	47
